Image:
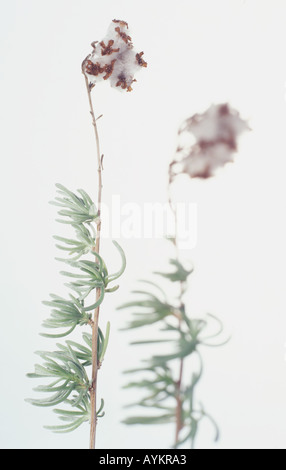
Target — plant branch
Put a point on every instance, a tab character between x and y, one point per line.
95	361
179	423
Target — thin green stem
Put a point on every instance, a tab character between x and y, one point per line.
179	383
95	359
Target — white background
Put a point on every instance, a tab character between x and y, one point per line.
199	52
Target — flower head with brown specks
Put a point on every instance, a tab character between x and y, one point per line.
114	58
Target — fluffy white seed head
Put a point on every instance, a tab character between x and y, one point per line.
216	133
114	58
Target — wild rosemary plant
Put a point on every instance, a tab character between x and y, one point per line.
112	59
170	379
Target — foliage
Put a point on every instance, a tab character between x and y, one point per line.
170	399
68	365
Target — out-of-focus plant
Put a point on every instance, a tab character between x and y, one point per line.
67	367
169	385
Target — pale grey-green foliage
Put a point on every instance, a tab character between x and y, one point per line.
185	337
67	366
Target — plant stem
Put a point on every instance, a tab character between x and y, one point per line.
179	423
95	364
179	383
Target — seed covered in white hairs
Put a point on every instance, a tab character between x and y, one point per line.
114	58
216	132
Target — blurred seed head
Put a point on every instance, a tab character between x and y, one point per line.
215	135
